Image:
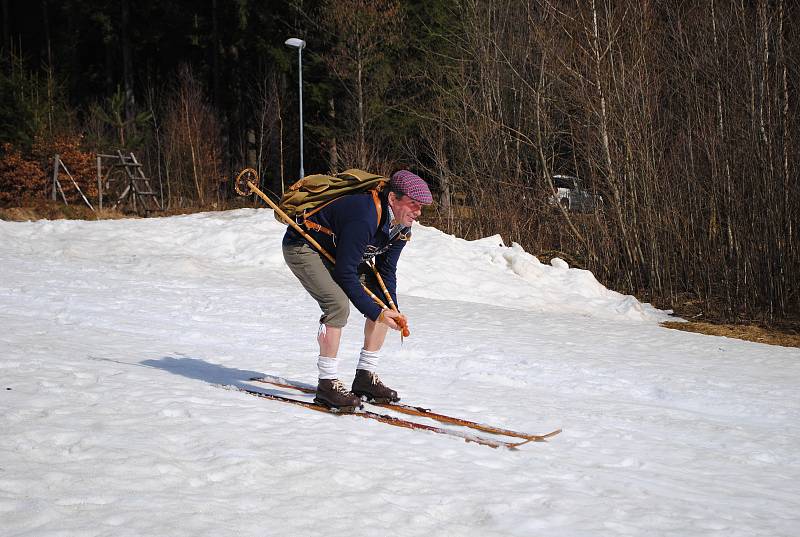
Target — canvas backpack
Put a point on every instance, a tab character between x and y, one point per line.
312	193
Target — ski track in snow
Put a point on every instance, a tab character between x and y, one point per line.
115	337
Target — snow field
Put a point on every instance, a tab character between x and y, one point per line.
115	337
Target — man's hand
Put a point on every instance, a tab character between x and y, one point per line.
394	320
390	319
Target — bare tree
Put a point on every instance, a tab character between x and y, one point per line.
363	31
193	143
680	116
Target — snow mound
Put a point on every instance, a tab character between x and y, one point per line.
434	264
441	266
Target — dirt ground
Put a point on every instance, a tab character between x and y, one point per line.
784	337
704	318
55	210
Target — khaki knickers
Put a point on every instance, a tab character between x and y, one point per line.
316	275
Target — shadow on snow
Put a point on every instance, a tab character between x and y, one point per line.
194	368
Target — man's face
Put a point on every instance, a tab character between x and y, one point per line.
405	209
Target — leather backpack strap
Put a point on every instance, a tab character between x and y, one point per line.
378	206
322	229
316	227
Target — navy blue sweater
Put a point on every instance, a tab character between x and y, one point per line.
357	238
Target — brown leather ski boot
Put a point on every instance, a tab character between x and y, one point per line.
332	394
367	384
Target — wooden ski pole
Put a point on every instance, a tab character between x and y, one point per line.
241	181
283	215
383	287
401	321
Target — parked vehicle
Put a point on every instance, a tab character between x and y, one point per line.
570	193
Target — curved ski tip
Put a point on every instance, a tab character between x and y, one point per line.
534	438
544	437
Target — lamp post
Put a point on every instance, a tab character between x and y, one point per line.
299	44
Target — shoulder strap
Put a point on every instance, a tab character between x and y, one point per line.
322	229
378	206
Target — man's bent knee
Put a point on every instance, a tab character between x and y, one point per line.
335	313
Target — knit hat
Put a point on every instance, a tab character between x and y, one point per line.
412	185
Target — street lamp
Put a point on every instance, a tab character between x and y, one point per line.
299	44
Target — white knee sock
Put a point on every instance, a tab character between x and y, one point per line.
328	367
368	360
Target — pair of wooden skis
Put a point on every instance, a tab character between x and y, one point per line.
464	425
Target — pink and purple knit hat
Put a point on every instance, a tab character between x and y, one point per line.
412	185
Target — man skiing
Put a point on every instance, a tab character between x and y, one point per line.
356	229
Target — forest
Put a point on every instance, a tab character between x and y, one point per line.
679	118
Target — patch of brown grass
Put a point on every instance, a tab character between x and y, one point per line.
56	210
38	209
782	336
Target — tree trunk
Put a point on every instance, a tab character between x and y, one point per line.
215	74
48	53
191	147
334	151
362	157
6	25
280	130
127	61
727	201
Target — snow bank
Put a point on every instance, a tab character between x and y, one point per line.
434	265
486	271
